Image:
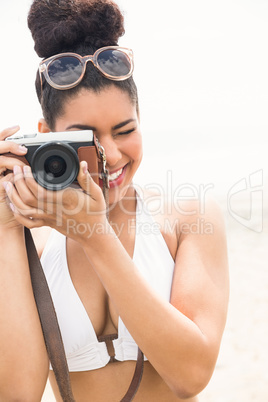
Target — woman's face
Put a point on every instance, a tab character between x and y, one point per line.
113	118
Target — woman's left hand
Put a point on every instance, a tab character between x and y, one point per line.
78	213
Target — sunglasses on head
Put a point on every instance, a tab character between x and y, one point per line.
66	70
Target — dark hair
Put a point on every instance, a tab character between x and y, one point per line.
79	26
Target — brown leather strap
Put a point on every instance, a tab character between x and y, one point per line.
135	383
136	380
108	339
49	322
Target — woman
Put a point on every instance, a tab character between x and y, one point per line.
164	289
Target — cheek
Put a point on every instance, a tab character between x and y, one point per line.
135	150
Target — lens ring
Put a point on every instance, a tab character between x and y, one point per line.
45	176
55	165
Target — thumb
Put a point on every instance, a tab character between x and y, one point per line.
85	180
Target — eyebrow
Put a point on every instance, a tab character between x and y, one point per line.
124	123
81	127
86	127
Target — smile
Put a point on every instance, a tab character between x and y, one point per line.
115	175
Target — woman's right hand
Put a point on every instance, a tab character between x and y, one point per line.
7	219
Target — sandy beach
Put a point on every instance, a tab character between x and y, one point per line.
241	372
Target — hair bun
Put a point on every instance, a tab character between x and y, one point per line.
59	25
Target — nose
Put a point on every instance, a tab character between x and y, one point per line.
112	151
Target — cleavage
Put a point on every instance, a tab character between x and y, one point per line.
90	290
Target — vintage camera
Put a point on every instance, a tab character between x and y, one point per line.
54	157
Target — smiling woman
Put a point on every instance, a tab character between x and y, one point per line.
129	289
119	133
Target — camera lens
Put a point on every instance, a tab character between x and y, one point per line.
55	165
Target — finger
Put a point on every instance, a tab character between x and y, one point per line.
8	163
7	132
19	206
39	192
45	200
3	181
23	190
7	177
86	182
30	223
9	147
13	148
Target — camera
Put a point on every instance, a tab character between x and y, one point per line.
54	157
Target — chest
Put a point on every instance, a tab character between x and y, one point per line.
137	241
90	291
88	286
83	307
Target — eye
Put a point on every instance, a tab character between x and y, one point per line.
126	132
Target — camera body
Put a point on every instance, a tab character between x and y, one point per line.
54	157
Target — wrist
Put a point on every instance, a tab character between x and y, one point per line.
90	233
97	236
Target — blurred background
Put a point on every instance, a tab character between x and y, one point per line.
201	70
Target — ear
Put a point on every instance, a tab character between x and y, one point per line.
43	126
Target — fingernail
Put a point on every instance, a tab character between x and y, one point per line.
84	167
13	127
16	169
26	169
22	148
7	186
12	207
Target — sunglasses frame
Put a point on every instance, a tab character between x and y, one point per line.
44	65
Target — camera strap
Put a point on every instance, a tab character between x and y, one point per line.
104	173
48	319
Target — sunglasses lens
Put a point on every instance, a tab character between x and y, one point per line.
114	62
65	70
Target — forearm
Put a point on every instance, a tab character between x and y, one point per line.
24	360
172	342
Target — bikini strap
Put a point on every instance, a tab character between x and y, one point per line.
108	339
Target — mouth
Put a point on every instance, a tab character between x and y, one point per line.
115	175
116	178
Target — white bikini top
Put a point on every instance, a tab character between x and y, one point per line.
83	350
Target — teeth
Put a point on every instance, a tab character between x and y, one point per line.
115	175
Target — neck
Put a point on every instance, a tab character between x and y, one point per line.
124	207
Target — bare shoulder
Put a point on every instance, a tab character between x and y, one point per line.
179	217
40	237
194	230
